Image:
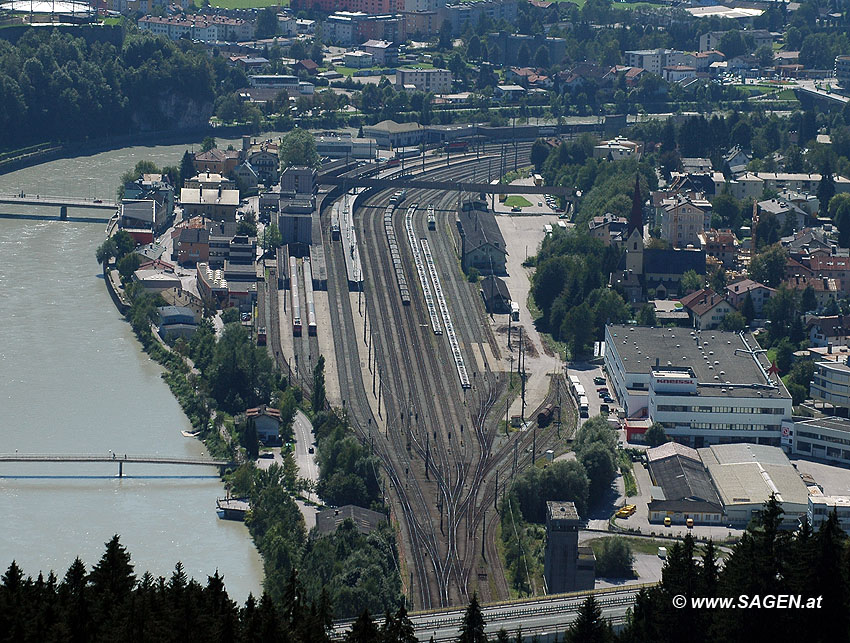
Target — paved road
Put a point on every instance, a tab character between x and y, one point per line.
304	438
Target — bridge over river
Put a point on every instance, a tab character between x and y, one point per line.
61	202
114	458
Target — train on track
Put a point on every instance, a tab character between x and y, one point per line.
293	289
432	220
403	287
545	416
457	146
308	297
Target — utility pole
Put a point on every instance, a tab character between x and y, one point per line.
427	454
365	311
496	495
516	455
440	505
507	420
381	390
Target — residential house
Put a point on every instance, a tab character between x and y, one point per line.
152	186
608	228
357	59
246	176
826	289
145	215
177	321
833	266
267	422
192	246
616	149
437	81
683	219
828	331
782	210
216	160
383	52
736	160
216	204
155	281
209	181
299	179
307	65
678	73
264	158
737	293
720	244
508	93
706	308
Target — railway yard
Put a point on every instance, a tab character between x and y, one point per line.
417	369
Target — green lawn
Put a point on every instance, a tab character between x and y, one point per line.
515	200
248	4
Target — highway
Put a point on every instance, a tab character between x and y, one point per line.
544	617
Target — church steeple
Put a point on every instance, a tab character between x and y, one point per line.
636	215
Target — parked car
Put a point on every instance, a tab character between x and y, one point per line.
598	380
667	521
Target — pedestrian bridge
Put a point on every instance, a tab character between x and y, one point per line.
449	186
117	458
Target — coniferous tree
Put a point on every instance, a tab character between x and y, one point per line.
363	630
472	627
589	626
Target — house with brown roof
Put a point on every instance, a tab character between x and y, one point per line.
216	161
706	308
826	289
267	421
307	65
759	293
720	244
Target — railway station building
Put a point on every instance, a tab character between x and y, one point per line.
497	299
482	245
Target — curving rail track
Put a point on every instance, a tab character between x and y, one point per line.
438	446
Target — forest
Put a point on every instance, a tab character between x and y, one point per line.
54	87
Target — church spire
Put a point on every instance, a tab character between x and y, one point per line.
636	215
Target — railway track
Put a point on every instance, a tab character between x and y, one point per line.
440	475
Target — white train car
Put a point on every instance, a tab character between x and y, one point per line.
308	297
293	289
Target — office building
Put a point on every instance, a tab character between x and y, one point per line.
704	387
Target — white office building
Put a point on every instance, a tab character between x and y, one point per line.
820	506
704	387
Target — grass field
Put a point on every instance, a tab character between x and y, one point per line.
515	200
248	4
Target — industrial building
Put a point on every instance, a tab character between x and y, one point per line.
566	566
724	484
745	475
831	385
682	487
704	387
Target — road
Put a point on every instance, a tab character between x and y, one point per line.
306	461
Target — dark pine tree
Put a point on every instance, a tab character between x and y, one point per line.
472	628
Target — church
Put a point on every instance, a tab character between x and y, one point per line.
651	273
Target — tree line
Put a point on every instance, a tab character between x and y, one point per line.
54	86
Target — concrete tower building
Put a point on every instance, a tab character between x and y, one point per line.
566	566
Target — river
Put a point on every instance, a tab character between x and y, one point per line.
75	380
